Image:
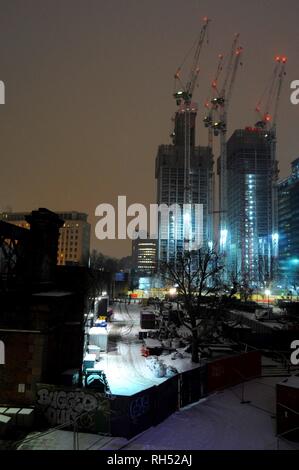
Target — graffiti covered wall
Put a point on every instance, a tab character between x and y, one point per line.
62	405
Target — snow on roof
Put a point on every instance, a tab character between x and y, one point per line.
271	324
89	357
182	364
52	293
4	419
98	331
292	382
152	343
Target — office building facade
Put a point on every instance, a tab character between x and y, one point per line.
252	238
144	256
171	182
288	223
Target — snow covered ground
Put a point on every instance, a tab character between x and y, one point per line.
219	422
216	423
125	368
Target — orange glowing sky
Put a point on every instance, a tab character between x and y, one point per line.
89	92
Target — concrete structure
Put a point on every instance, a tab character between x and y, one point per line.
74	235
170	176
288	223
251	240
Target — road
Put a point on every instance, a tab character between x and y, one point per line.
123	364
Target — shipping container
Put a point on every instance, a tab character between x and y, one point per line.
147	320
98	337
89	361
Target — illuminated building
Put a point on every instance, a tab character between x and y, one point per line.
74	239
144	256
252	237
74	235
170	173
288	220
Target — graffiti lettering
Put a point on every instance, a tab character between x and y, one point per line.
139	406
63	407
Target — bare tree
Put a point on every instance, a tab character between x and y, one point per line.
100	261
239	284
196	275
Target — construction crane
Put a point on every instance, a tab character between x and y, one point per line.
267	111
218	126
183	96
185	92
208	122
209	104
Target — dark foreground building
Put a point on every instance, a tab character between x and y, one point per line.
74	235
43	308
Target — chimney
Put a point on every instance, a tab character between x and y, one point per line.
43	244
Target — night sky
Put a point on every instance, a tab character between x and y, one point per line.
89	88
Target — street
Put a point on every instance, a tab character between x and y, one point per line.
123	364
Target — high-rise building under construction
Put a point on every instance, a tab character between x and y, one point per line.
170	176
252	238
288	222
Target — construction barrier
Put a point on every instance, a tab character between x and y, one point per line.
127	416
229	371
192	386
287	408
166	399
132	415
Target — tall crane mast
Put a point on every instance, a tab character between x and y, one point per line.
225	100
220	105
209	104
208	121
185	92
267	110
183	96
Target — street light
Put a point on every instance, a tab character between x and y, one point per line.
172	291
268	293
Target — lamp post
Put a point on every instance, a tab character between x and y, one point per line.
268	293
173	292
